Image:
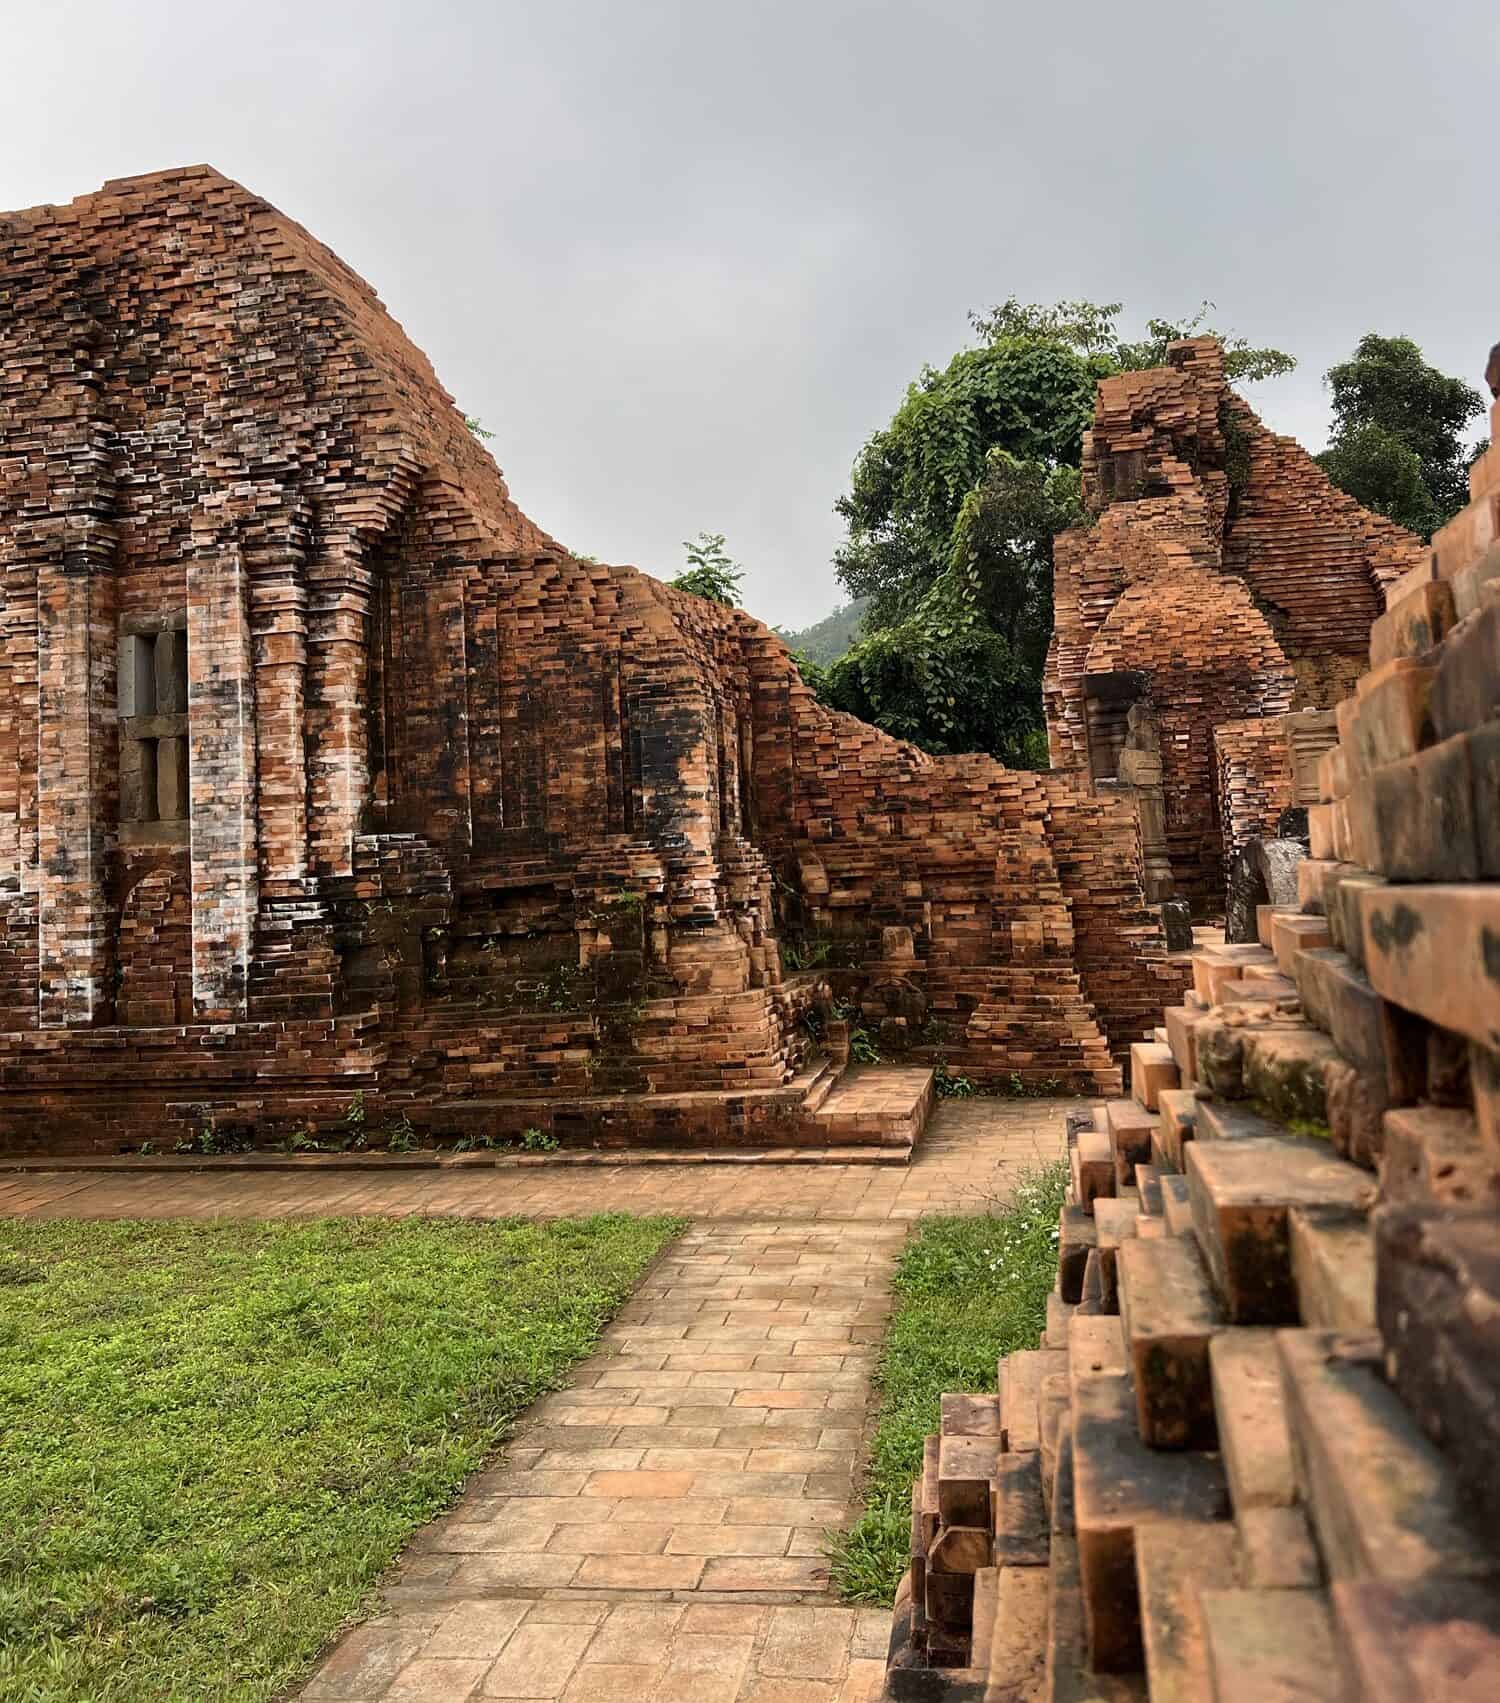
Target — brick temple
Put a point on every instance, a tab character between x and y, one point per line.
324	771
1209	618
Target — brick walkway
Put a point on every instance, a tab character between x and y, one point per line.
655	1533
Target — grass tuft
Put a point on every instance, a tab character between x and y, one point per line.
967	1290
218	1436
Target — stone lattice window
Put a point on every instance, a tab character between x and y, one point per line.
153	729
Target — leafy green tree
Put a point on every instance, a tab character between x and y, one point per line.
951	512
710	573
1398	424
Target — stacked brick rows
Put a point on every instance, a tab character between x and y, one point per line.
450	787
1222	579
1257	1454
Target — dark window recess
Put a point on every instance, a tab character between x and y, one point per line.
153	731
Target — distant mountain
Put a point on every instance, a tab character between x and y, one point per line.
827	640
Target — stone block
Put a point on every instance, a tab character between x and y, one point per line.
1269	1644
1333	1267
1415	820
1077	1234
1177	1206
1476	584
1169	1313
1250	1408
1376	1038
1333	775
1429	1641
1096	1347
1130	1129
1173	1564
1292	932
1320	831
1414	625
1020	1513
1093	1163
1242	1192
1438	1303
965	1467
1341	905
1120	1486
1020	1380
1175	1124
1394	718
1274	1550
1484	769
1466	689
1382	1500
1180	1022
1284	1071
969	1416
1436	1155
1435	951
1152	1068
1017	1656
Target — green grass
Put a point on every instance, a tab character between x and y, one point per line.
967	1291
215	1437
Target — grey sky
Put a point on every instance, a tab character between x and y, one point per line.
683	258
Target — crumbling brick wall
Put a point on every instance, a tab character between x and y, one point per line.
454	794
1222	578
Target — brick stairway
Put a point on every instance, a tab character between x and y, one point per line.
1216	1478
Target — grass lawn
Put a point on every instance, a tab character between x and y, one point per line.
215	1437
967	1291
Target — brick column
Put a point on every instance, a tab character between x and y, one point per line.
221	738
338	626
278	623
76	679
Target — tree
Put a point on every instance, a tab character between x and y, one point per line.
1397	443
710	572
951	512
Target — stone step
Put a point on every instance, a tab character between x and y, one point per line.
1070	1677
1291	933
1016	1660
1383	1502
1271	1647
1436	1154
1169	1313
1232	1120
1152	1068
1020	1381
1093	1164
1116	1220
1096	1347
1439	1310
1242	1192
1177	1205
1274	1550
1180	1022
1333	1267
1052	1419
986	1609
969	1416
1121	1485
1431	1641
1019	1516
1176	1122
1223	1041
1077	1235
1383	1043
1130	1130
1148	1187
965	1467
1173	1563
1055	1335
1250	1408
1272	991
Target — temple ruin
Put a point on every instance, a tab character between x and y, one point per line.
325	773
1208	619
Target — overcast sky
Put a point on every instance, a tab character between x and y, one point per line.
683	258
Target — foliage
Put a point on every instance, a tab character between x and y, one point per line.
711	573
476	426
217	1436
967	1290
948	1086
951	513
826	641
539	1141
1398	424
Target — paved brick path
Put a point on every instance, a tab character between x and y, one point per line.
655	1532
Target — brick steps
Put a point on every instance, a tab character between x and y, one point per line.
1234	1466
